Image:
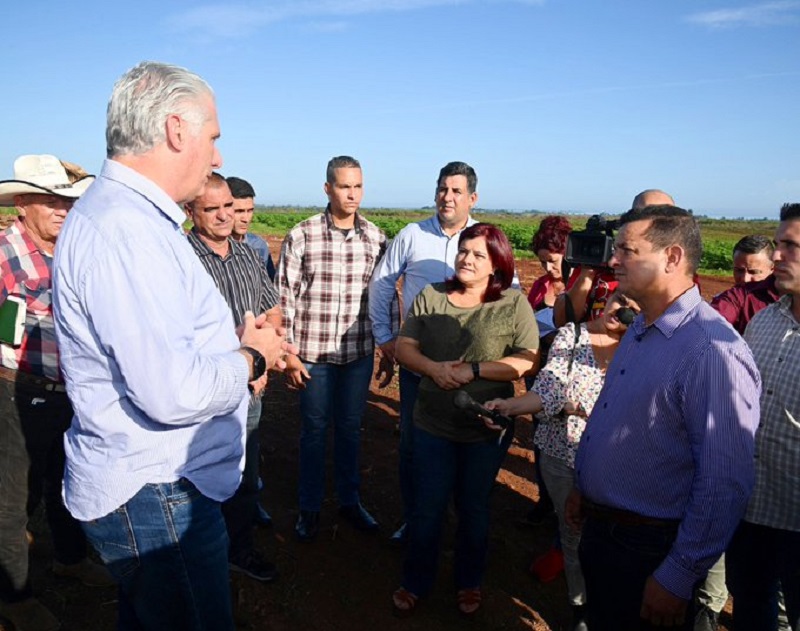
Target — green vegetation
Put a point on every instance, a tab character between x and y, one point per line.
719	235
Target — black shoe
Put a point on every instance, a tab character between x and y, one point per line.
579	618
307	526
262	517
255	567
400	536
359	518
705	619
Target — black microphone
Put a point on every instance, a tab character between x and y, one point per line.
463	401
626	315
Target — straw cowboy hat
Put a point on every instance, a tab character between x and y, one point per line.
44	174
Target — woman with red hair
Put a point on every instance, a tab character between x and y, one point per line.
474	334
549	244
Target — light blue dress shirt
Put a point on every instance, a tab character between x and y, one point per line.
423	254
671	435
148	351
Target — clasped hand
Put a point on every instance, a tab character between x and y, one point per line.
451	375
268	340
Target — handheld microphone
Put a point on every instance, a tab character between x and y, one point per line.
463	401
626	315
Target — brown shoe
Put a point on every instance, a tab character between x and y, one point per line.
29	615
86	571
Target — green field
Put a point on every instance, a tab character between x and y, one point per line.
719	235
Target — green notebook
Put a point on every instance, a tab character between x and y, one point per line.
12	320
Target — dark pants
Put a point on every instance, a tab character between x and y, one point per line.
168	549
466	471
409	385
32	426
240	510
617	560
759	561
336	395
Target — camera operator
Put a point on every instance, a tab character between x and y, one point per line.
590	286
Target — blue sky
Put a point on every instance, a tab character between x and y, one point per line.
559	106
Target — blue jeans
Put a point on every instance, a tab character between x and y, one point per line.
338	393
759	560
409	385
167	546
617	560
240	510
467	471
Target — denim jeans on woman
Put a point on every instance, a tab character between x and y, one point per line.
336	393
466	471
168	548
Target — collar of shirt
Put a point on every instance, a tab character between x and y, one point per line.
358	222
785	307
203	249
471	221
30	246
126	176
673	315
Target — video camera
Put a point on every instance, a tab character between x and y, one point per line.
594	246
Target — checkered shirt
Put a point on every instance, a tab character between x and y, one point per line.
774	337
323	276
26	273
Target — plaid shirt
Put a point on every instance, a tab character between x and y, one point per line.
26	273
323	276
774	337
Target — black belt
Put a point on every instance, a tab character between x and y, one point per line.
31	381
624	517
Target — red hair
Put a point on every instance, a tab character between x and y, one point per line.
552	235
500	253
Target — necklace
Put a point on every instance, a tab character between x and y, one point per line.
603	349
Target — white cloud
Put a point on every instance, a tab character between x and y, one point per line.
778	13
229	20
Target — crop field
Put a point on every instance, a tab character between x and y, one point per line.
719	235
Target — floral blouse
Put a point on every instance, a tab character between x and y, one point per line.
558	435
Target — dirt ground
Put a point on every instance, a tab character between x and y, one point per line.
344	579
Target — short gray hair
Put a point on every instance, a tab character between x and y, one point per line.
142	100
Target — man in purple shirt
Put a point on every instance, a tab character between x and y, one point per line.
664	469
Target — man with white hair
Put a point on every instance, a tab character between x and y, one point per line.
34	408
153	365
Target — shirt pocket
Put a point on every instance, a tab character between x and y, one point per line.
38	295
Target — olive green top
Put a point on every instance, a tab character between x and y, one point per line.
486	332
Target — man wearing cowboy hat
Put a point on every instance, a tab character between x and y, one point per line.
34	408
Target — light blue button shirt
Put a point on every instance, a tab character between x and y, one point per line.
148	351
423	254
